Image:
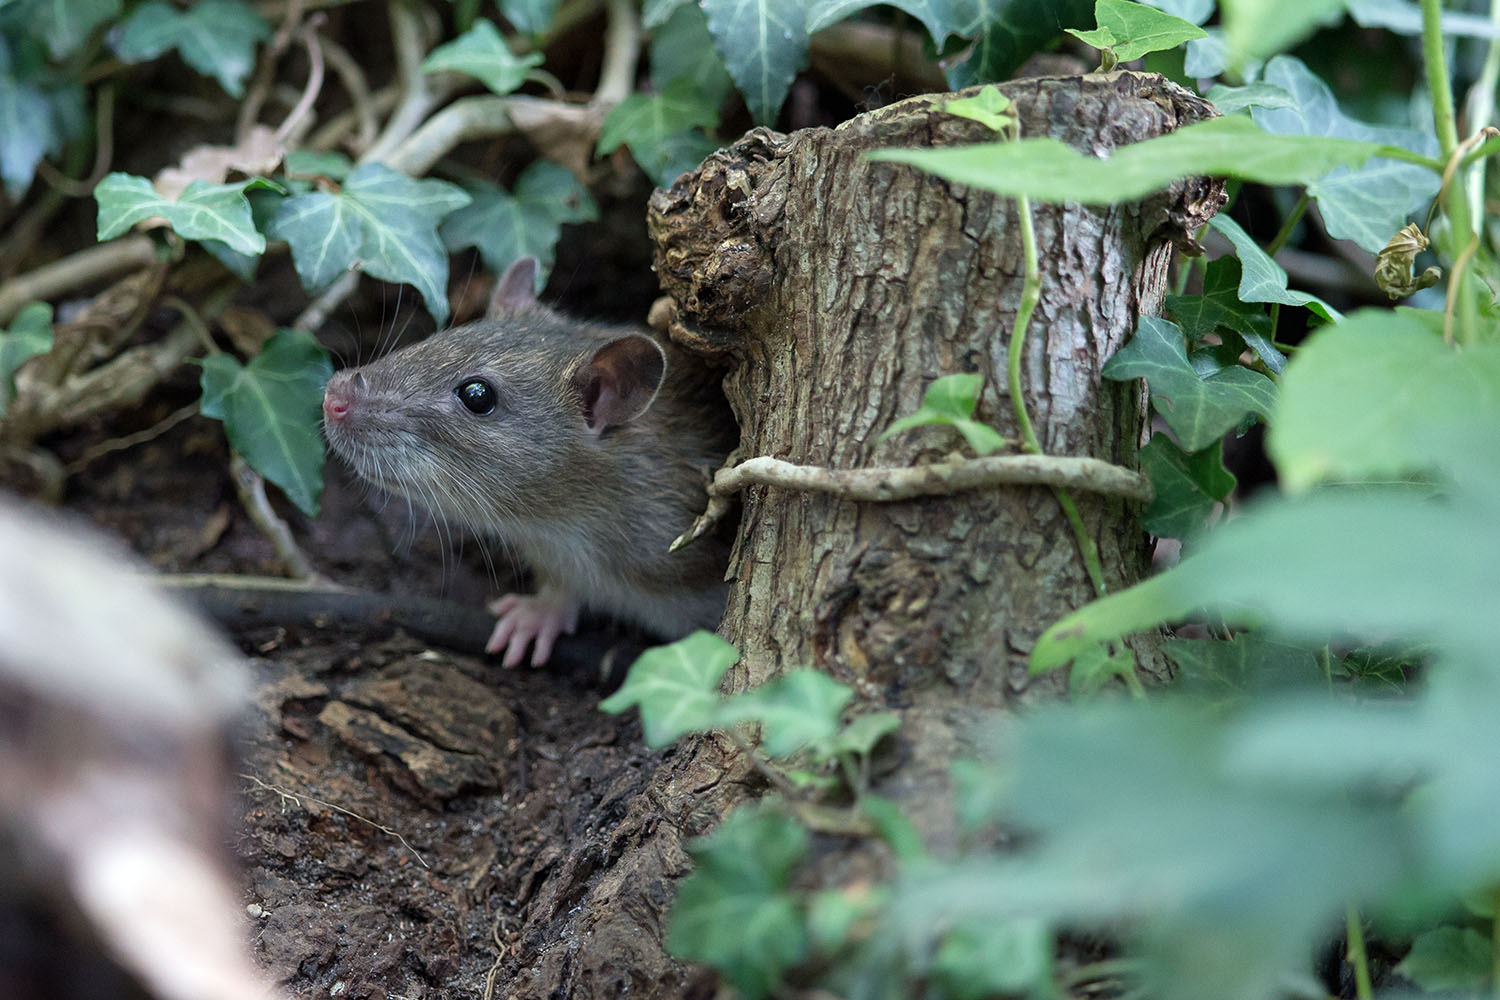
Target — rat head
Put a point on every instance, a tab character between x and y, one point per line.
506	420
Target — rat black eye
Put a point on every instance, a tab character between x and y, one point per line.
477	395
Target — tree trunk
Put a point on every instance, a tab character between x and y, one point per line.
837	289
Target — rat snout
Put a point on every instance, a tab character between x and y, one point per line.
340	393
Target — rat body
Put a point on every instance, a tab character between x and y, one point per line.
581	448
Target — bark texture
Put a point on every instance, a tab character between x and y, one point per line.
836	289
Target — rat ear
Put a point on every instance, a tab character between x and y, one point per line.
516	289
620	381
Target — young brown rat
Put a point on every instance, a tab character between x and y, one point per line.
580	447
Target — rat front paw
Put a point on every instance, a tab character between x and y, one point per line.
534	620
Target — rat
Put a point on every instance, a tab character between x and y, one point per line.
581	447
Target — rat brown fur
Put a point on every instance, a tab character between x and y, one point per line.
582	448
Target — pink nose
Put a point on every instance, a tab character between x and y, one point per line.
338	396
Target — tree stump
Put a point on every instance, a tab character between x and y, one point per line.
836	289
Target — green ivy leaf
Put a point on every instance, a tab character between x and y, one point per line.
950	401
736	912
506	227
532	17
941	18
1249	662
215	37
27	132
660	129
67	25
676	686
1186	487
1219	306
833	913
987	107
1049	170
1261	278
863	732
681	47
1199	409
381	221
1377	397
1095	667
1458	959
794	711
1008	32
310	163
983	958
1253	95
202	212
271	410
29	336
1368	204
764	44
1132	29
481	53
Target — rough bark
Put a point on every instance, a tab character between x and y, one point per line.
836	289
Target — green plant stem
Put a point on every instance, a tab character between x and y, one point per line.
1495	943
1356	955
1031	293
1285	233
1456	201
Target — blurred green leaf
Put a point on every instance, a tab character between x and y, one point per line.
764	44
656	12
1199	409
29	336
864	731
981	958
735	911
682	47
481	53
1249	662
1378	396
1366	203
1449	958
1255	29
794	711
1094	668
1049	170
381	221
1261	95
531	17
215	37
271	410
26	133
202	212
67	25
310	163
675	686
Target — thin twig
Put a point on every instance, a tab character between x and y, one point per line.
251	489
622	45
104	151
299	115
298	798
265	72
417	99
361	105
156	430
75	270
315	315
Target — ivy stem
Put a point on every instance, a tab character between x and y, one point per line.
1456	202
1285	233
1031	293
1356	954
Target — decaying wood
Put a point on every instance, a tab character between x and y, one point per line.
836	289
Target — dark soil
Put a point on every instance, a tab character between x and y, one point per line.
399	804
